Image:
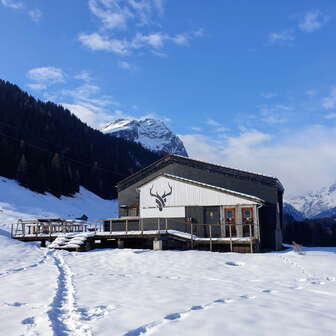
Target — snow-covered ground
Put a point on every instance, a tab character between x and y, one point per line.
142	292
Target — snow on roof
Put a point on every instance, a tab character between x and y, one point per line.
236	193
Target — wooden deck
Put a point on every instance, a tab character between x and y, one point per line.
128	229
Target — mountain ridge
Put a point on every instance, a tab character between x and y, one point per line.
151	133
320	203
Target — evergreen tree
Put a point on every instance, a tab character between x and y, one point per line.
22	171
47	148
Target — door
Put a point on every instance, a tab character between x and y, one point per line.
212	216
247	219
230	222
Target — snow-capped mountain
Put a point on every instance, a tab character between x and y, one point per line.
290	211
150	133
316	204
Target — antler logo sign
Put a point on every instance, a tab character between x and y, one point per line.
161	200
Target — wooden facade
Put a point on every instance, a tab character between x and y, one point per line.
183	189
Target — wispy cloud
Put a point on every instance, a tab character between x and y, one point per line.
121	16
111	13
116	14
89	104
126	65
196	129
312	21
95	41
330	116
218	127
268	95
274	114
12	4
311	92
307	22
285	35
154	41
45	76
35	14
214	123
84	76
329	102
282	154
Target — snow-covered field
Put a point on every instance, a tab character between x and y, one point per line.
142	292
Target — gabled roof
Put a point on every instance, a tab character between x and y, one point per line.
205	185
172	158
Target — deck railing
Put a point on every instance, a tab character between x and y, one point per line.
42	227
195	231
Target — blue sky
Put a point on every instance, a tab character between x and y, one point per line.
247	85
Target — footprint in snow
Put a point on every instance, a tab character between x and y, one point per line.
95	313
196	308
28	320
269	291
247	297
172	317
296	287
223	300
318	282
15	304
235	263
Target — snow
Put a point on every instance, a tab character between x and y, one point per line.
151	133
142	292
70	241
319	203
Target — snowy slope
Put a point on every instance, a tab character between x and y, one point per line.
150	133
140	292
316	203
18	202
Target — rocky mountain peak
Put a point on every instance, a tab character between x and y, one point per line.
151	133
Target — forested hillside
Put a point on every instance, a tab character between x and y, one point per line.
47	148
310	232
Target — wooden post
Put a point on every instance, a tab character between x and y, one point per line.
158	225
230	232
12	230
23	229
142	225
210	232
191	237
126	225
166	222
251	245
49	231
110	227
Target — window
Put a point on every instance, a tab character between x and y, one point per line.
247	213
230	215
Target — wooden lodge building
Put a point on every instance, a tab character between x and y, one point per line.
177	203
208	201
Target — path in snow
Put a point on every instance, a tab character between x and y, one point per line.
151	327
65	317
24	268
